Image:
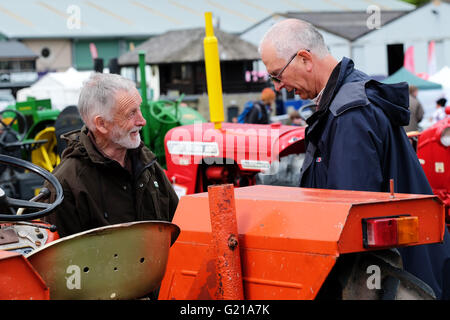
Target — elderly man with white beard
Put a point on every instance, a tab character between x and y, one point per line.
107	174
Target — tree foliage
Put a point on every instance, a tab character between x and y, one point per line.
417	2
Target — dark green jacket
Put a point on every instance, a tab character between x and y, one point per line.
98	191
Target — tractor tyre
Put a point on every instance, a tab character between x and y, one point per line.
376	275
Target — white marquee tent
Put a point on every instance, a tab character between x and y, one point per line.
442	77
63	88
428	97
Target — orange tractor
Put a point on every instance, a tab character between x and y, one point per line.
257	242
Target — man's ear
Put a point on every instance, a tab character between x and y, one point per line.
101	124
306	57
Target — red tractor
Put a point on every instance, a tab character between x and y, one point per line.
433	150
242	154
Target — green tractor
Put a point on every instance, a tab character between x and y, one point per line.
30	127
27	132
39	115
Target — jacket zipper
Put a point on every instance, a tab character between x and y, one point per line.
139	213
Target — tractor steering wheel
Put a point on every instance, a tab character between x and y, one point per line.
7	127
10	203
165	111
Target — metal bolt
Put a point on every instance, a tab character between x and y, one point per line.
232	242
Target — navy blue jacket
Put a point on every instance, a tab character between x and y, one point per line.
355	141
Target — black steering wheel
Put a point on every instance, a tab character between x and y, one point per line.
6	128
43	208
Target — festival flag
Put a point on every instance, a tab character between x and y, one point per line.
408	61
431	58
93	50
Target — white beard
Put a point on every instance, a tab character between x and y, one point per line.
123	138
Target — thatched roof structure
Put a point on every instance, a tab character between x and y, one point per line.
182	46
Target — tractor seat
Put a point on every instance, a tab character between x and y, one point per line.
68	120
122	261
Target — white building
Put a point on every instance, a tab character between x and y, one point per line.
377	38
417	28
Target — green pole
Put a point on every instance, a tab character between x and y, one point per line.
145	108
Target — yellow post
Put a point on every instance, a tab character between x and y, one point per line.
213	78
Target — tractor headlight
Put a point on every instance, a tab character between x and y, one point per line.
445	137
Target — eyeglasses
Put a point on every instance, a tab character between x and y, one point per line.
278	76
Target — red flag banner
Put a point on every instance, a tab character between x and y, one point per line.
93	50
431	58
408	61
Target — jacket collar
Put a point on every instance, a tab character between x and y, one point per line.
336	80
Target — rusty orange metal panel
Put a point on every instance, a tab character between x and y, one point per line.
281	275
271	217
19	280
267	274
183	265
304	230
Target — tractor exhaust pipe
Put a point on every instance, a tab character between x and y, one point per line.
213	77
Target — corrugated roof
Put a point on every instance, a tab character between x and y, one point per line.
187	46
349	25
126	18
15	49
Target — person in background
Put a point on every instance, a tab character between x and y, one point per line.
415	110
439	113
259	111
295	119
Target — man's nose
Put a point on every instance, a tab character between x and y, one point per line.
140	121
278	85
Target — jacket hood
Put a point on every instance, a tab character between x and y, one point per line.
75	147
392	98
356	89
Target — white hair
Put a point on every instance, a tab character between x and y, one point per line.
98	96
292	35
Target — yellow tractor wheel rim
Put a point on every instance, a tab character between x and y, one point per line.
46	156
